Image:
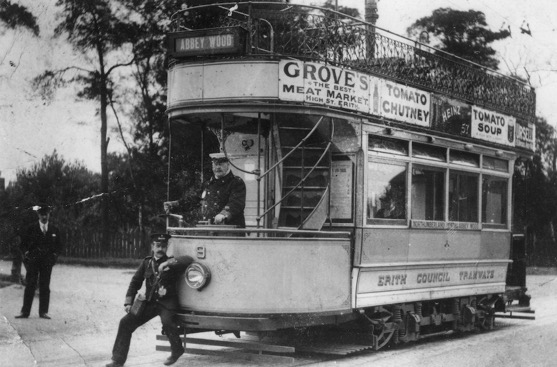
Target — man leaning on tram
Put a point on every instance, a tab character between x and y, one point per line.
223	196
160	274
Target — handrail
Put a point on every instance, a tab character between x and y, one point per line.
346	16
317	34
294	148
298	185
305	177
216	229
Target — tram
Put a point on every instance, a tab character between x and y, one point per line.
379	175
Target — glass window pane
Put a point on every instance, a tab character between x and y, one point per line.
495	164
429	152
428	194
464	159
385	145
386	191
463	197
494	200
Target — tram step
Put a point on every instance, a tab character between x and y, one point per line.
293	137
305	187
307	168
347	344
239	351
288	148
294	128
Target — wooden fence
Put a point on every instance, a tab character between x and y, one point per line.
87	244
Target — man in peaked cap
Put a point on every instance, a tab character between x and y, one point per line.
40	245
223	196
160	273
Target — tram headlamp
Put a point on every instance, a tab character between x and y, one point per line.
197	276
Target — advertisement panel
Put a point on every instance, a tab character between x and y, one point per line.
493	126
450	116
327	85
402	103
525	135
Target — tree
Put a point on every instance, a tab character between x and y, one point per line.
59	183
535	194
461	33
353	12
94	28
546	143
12	16
15	15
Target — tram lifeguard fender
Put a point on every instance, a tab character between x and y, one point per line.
268	275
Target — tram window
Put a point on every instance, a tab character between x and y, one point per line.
386	191
429	152
464	159
385	145
428	193
463	197
495	164
494	200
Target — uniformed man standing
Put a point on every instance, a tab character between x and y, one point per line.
223	196
40	246
161	298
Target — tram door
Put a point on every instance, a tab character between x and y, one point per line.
246	151
516	275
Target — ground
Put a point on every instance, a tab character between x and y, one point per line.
87	304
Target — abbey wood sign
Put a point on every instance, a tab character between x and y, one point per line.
207	42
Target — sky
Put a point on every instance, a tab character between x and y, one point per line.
31	127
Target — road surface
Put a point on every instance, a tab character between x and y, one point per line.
87	304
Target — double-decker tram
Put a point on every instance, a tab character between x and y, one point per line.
379	175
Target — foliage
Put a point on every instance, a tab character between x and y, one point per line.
95	29
535	192
461	33
353	12
546	143
58	183
15	15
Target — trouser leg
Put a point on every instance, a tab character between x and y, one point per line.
127	326
16	267
29	294
170	326
44	286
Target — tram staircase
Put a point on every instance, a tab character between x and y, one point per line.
305	156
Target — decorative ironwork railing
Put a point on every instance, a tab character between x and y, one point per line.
316	34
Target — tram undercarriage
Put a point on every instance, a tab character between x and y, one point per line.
380	326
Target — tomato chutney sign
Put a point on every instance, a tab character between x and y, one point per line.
323	84
492	126
406	104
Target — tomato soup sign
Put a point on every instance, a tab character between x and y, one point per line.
493	127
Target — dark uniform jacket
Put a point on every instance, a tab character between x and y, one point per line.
148	270
36	245
226	196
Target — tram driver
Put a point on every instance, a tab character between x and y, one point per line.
222	197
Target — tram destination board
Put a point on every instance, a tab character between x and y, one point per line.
214	41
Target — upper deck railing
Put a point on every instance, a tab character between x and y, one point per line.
280	30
